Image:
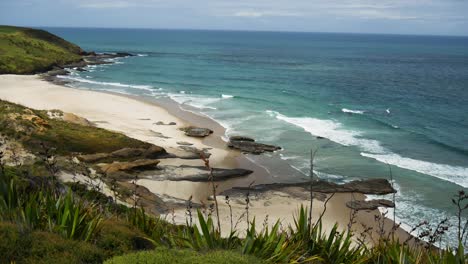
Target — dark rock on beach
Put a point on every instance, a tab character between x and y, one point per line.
79	64
57	71
148	200
241	138
137	165
203	174
123	54
152	152
90	158
246	144
368	186
184	143
369	205
161	123
197	131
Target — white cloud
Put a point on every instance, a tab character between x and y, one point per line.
254	14
378	14
105	4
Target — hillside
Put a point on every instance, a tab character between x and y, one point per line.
26	50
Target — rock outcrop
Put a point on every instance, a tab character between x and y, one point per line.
72	118
161	123
184	143
87	58
241	138
148	200
369	205
202	174
153	152
91	158
246	144
368	186
137	165
197	131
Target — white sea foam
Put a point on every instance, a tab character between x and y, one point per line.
227	96
455	174
115	84
194	100
284	157
142	55
349	111
332	130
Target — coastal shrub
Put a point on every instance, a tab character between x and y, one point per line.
22	246
159	230
164	255
117	238
46	210
205	236
10	242
271	245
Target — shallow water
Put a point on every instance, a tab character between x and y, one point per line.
380	102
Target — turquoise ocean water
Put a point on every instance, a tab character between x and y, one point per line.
380	102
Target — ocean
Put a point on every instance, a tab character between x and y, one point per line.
391	106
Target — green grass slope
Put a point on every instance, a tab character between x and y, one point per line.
32	127
162	256
26	50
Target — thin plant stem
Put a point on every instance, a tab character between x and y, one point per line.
311	176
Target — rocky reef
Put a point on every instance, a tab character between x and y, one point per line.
248	145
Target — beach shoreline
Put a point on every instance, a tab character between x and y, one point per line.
135	116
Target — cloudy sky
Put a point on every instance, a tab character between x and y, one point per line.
446	17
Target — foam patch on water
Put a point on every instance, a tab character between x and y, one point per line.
199	102
114	60
227	96
455	174
115	84
332	130
350	111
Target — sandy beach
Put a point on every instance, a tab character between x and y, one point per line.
137	118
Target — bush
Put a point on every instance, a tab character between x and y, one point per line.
43	247
117	238
163	255
10	242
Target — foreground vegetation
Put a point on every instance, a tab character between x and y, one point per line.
26	51
43	220
47	223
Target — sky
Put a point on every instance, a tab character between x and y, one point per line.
426	17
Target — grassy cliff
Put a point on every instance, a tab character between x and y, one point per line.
26	50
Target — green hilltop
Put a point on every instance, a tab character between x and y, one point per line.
27	50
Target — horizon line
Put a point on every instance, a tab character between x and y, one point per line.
247	30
